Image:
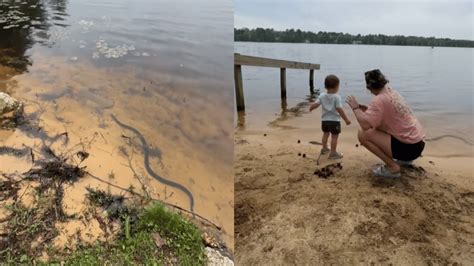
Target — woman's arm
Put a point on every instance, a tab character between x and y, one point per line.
358	112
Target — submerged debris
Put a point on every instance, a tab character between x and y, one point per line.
82	155
4	150
114	205
55	170
8	189
29	229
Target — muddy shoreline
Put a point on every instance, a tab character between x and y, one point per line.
180	151
37	195
74	127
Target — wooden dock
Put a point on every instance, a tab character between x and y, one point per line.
241	60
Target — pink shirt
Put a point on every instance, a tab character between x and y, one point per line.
389	112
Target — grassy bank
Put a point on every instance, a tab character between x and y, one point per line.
155	236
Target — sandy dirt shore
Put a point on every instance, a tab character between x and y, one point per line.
285	214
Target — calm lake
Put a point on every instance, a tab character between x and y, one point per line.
157	65
437	82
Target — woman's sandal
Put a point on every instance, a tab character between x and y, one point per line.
403	163
382	171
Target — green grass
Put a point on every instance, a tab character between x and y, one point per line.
134	244
181	235
183	244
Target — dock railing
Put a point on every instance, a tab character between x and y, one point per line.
245	60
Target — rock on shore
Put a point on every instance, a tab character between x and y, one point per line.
8	103
215	258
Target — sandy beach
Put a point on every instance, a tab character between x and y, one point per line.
286	214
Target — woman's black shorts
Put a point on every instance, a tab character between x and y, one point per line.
406	152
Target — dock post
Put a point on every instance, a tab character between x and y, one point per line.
283	82
311	80
239	90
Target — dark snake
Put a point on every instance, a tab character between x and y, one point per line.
146	153
449	136
428	139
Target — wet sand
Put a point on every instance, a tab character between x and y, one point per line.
287	215
79	98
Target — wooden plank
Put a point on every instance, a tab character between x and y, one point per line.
267	62
311	80
283	82
239	89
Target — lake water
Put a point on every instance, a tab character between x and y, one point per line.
437	82
158	65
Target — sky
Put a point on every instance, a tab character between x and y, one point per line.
445	19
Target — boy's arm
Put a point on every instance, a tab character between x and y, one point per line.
343	115
314	106
341	111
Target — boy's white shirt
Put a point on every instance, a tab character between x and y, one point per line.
329	102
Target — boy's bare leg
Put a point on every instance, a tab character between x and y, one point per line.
334	143
325	140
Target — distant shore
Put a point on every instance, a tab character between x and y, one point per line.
322	37
421	46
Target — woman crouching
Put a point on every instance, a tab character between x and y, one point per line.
389	128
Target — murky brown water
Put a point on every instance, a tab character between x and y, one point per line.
158	66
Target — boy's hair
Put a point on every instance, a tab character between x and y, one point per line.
375	80
331	82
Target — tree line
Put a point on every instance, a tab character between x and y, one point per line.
299	36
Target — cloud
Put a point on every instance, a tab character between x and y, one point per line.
450	19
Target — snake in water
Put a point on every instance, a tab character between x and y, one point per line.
146	154
449	136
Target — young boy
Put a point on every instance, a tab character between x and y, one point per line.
331	115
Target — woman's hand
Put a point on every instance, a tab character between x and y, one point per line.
352	102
